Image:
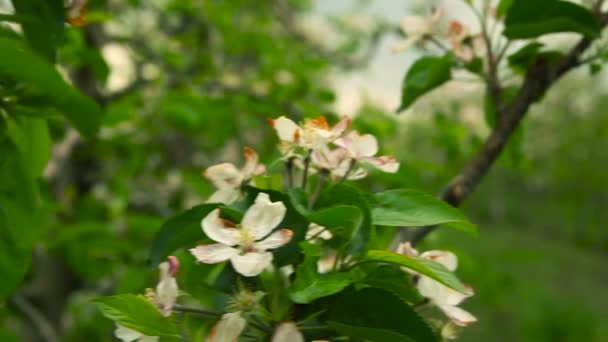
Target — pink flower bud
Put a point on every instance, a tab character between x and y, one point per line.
173	265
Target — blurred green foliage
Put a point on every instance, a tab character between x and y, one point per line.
205	75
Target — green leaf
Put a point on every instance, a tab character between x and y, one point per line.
343	221
529	55
425	267
410	208
137	313
530	19
42	24
426	74
377	315
503	7
33	141
394	280
17	62
271	182
347	196
309	285
183	230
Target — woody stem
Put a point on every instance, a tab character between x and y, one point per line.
306	169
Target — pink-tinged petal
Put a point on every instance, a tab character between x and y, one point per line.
384	163
166	295
357	173
415	26
407	249
457	315
318	232
228	329
225	196
287	332
263	216
252	166
211	254
446	258
287	130
173	265
220	230
364	145
251	264
275	240
224	176
341	126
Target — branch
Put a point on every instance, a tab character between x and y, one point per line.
539	78
42	325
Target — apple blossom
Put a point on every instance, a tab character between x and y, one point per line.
416	28
228	328
166	289
228	179
361	149
128	335
445	298
252	237
287	332
311	135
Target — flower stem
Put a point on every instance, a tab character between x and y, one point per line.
289	167
306	169
314	327
313	198
202	312
351	166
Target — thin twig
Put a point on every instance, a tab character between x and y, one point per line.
306	169
320	182
41	323
351	166
289	168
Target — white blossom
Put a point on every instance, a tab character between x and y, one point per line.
245	245
228	179
287	332
228	328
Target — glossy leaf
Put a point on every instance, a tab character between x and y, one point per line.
530	19
42	24
377	315
425	74
343	194
425	267
182	230
394	280
137	313
309	285
410	208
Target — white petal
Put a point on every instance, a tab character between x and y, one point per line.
414	25
228	328
274	240
287	332
224	176
287	130
406	249
166	295
433	290
225	196
211	254
365	145
251	264
252	166
263	216
405	44
128	335
341	126
384	163
318	231
457	315
446	258
219	229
